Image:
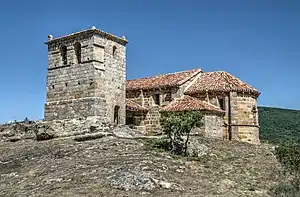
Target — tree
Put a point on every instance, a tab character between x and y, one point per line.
288	154
177	126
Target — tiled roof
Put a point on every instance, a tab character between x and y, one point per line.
188	103
96	31
167	80
133	106
219	81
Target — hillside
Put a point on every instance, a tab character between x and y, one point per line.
278	125
112	166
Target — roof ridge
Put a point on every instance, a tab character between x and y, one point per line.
166	74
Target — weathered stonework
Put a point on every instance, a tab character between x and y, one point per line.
87	78
89	84
239	104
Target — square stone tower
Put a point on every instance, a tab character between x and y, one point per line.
86	76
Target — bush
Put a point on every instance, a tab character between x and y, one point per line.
288	154
177	126
286	190
160	143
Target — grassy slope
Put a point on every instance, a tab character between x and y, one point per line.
278	125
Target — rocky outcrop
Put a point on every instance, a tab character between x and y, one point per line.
43	130
82	129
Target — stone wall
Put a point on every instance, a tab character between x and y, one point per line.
244	123
92	87
152	121
135	120
241	116
247	118
212	126
150	124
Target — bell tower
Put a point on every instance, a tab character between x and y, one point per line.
86	76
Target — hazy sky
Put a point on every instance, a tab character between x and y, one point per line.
257	41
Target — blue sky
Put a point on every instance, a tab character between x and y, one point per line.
257	41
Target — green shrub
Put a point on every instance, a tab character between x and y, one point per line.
286	190
177	126
160	143
288	154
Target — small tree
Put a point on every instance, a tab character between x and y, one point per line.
288	154
177	126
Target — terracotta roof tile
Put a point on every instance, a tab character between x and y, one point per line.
133	106
220	81
166	80
188	103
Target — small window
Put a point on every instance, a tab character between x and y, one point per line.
63	52
157	99
254	109
114	51
222	103
77	48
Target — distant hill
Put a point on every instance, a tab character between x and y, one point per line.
278	125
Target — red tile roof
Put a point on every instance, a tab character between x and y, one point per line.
167	80
133	106
188	103
220	82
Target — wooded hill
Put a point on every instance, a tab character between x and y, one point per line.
278	125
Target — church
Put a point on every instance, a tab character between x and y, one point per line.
87	77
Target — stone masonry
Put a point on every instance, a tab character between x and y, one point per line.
86	76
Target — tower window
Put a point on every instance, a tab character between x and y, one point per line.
222	103
157	99
77	48
63	52
114	51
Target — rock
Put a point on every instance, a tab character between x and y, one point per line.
132	181
165	184
91	136
196	149
126	132
44	132
14	139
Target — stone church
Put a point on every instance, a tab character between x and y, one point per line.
87	77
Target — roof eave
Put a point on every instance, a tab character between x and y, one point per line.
89	31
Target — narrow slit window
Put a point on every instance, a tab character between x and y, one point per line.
114	51
222	103
157	99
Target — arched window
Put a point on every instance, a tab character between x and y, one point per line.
114	51
77	48
63	52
